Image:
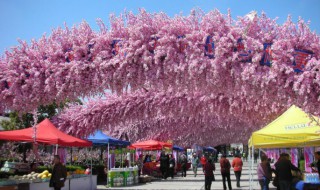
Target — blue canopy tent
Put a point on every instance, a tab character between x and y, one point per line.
209	149
99	139
177	148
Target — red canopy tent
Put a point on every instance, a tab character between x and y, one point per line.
47	133
151	145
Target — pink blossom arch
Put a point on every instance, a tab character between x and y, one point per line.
166	67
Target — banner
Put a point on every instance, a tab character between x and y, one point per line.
63	155
274	154
301	57
294	156
308	157
267	53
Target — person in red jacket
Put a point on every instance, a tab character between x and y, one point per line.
209	167
203	161
237	167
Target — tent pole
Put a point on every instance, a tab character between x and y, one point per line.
249	162
91	181
108	167
56	149
252	163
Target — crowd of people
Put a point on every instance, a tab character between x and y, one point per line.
282	173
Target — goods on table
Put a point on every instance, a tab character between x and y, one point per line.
12	167
311	177
32	177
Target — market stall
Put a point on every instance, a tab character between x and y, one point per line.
151	167
46	133
294	128
177	152
127	175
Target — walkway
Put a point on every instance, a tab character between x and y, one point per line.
191	182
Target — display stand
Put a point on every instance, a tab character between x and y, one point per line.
121	177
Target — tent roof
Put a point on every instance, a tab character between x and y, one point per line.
294	128
209	149
99	138
47	133
151	145
178	148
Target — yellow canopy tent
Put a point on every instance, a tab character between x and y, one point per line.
294	128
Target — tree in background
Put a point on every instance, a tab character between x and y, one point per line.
26	120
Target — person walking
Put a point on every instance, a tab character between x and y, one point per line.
203	161
172	164
237	167
225	171
256	155
195	162
164	165
283	171
140	164
209	167
184	163
264	173
59	174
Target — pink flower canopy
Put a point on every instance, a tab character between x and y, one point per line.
200	78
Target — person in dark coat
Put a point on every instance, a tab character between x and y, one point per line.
225	171
283	170
208	169
172	165
317	164
184	163
164	164
59	174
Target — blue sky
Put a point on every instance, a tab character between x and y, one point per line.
28	19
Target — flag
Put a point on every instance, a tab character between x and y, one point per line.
209	47
251	15
294	156
267	55
301	57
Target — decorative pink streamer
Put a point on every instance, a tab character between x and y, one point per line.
308	157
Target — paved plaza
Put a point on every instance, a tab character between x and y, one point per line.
191	182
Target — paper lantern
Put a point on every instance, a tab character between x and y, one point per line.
153	45
69	55
182	44
116	46
6	85
301	58
209	47
267	55
243	54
